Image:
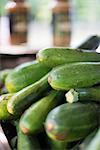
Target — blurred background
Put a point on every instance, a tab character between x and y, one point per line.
65	23
39	31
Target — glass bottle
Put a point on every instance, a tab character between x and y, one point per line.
61	19
18	13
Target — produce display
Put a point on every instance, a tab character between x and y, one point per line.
53	102
61	125
56	56
23	75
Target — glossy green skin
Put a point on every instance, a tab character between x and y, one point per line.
24	98
3	74
56	56
72	122
26	142
92	94
4	114
32	120
24	75
63	145
58	145
75	75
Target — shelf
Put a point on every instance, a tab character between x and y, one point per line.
39	37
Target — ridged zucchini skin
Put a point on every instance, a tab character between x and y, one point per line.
26	142
56	56
75	75
4	114
25	97
24	75
83	94
72	122
32	120
92	93
62	145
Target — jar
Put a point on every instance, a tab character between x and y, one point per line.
18	13
61	19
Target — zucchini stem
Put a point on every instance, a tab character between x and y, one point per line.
71	96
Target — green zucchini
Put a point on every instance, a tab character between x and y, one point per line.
24	98
3	74
83	94
4	114
72	122
62	145
56	56
75	75
58	145
95	142
27	142
24	75
91	43
33	118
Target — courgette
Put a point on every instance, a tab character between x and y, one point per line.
56	56
33	118
4	114
91	43
27	142
24	75
58	145
75	75
25	97
3	74
63	145
83	94
72	122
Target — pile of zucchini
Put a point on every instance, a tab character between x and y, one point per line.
54	101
